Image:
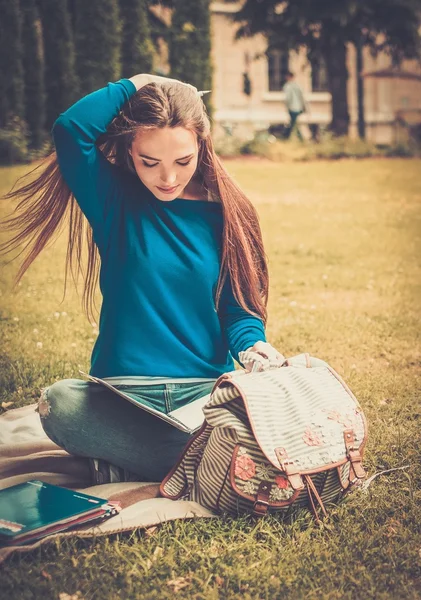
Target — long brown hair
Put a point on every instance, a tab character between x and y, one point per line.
46	202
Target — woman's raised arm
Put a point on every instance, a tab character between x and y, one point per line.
86	171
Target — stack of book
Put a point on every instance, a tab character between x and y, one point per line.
32	510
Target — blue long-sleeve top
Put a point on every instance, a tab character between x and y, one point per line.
160	261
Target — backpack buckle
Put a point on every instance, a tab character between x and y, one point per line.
293	474
354	454
261	504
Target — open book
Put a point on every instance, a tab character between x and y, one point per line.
188	418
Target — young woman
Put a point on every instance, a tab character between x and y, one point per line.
183	273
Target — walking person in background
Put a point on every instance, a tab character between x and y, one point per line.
183	271
295	103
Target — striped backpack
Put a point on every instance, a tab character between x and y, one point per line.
273	441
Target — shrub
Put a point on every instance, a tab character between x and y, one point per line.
266	145
14	142
342	147
227	146
402	149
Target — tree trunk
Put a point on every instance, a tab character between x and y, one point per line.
360	89
11	70
334	51
33	63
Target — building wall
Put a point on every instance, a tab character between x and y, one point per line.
242	115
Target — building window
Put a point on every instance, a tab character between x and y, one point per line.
319	82
278	66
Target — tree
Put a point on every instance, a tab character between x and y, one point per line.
359	65
98	43
136	46
190	43
158	27
384	25
33	64
61	84
326	27
11	70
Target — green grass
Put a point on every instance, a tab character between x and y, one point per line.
344	246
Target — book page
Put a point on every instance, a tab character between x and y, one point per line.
191	415
189	420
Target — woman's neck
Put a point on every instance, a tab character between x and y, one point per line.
194	190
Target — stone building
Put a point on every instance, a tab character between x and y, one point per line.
392	97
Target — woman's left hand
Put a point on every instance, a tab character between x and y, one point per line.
268	352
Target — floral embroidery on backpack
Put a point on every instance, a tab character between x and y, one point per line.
264	471
348	420
334	415
281	482
277	494
245	468
311	438
249	488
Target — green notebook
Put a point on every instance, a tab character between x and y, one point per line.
34	509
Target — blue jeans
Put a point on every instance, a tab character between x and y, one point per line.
294	125
89	420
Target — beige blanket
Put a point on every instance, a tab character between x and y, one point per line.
27	453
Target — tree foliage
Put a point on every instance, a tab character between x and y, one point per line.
11	71
61	84
136	45
98	43
190	43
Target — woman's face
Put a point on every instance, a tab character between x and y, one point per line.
165	160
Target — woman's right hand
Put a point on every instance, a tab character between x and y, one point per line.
144	78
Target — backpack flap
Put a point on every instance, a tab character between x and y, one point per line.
299	416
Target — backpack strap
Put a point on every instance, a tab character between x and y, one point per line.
261	504
290	470
312	491
354	455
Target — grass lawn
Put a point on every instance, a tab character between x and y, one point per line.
344	246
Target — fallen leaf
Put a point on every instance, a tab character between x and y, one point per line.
179	583
65	596
385	401
219	580
46	575
6	404
158	552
